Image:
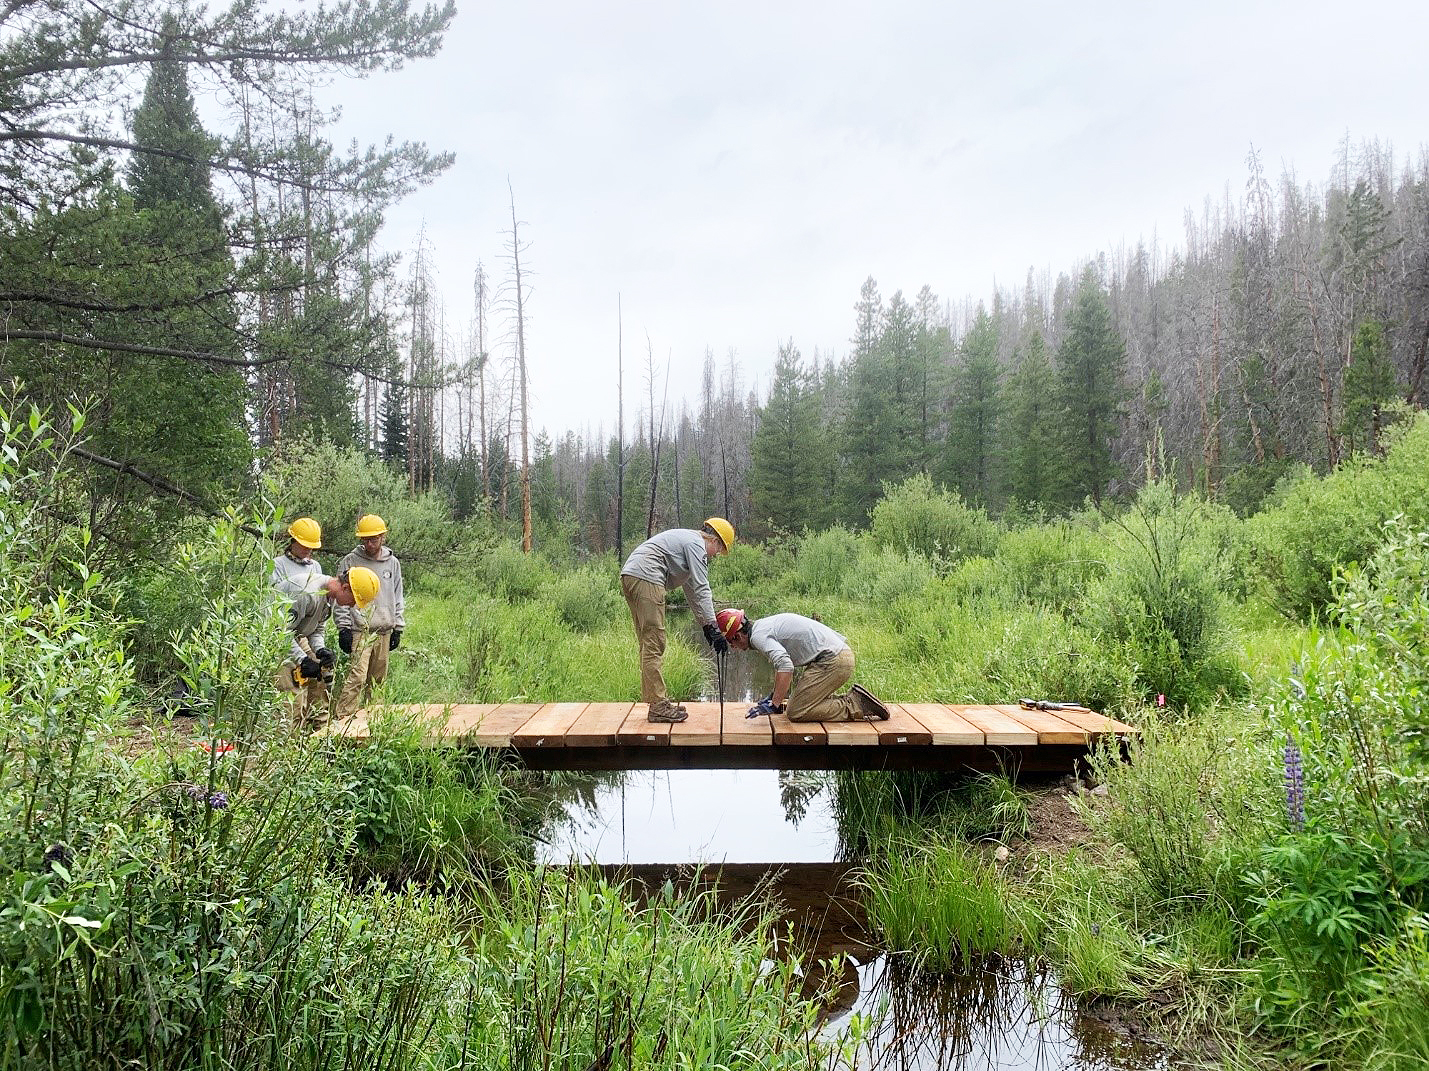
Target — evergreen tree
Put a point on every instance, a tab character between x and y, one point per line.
971	451
394	425
786	479
1369	388
1029	429
1090	370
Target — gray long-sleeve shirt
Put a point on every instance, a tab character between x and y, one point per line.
291	577
306	618
388	610
676	558
792	640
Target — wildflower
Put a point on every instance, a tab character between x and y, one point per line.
1294	785
218	800
194	792
1160	699
60	854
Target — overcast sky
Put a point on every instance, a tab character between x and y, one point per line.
733	172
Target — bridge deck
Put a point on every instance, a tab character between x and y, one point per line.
617	736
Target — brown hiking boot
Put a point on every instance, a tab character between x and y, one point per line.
873	710
666	711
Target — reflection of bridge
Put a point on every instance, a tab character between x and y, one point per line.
617	736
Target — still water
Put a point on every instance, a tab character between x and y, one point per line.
741	829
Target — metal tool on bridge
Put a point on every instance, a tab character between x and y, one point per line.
1048	704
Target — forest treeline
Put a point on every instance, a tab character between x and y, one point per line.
209	296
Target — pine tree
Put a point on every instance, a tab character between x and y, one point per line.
1029	429
1090	369
1369	388
971	452
787	473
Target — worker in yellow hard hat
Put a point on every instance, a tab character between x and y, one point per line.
367	635
308	672
296	570
676	558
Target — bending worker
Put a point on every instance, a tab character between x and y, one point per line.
679	557
308	671
368	634
296	570
823	657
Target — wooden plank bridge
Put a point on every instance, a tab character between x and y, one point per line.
617	736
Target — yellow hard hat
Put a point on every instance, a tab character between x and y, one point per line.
724	529
370	525
308	532
364	585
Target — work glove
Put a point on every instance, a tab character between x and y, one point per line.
765	707
716	639
395	640
344	640
310	668
325	658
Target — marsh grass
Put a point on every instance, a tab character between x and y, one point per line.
574	975
943	901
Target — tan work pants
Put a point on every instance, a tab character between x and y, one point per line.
309	703
813	697
647	611
366	668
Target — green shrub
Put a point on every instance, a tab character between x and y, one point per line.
824	561
336	486
889	575
587	599
1161	597
914	517
1314	526
509	573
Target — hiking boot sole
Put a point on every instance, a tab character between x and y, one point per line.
873	710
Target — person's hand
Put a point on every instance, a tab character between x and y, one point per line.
344	640
394	639
325	657
765	707
716	639
310	668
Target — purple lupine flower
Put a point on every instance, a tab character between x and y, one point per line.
59	853
1294	785
194	792
218	800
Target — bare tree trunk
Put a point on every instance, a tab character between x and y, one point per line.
619	434
521	373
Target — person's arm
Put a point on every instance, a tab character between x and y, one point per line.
400	597
697	587
783	681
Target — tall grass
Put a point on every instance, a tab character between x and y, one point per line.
942	900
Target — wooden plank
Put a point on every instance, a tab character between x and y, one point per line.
1094	723
801	733
597	725
739	730
637	729
949	728
998	728
547	727
700	729
486	724
851	734
1050	729
902	729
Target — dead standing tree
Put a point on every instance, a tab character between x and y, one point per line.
518	304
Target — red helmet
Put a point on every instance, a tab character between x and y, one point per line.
730	622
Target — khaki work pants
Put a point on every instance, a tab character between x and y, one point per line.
308	704
366	668
647	611
813	697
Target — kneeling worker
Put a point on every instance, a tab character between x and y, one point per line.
824	658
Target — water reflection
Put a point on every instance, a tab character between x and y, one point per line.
1000	1015
697	816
